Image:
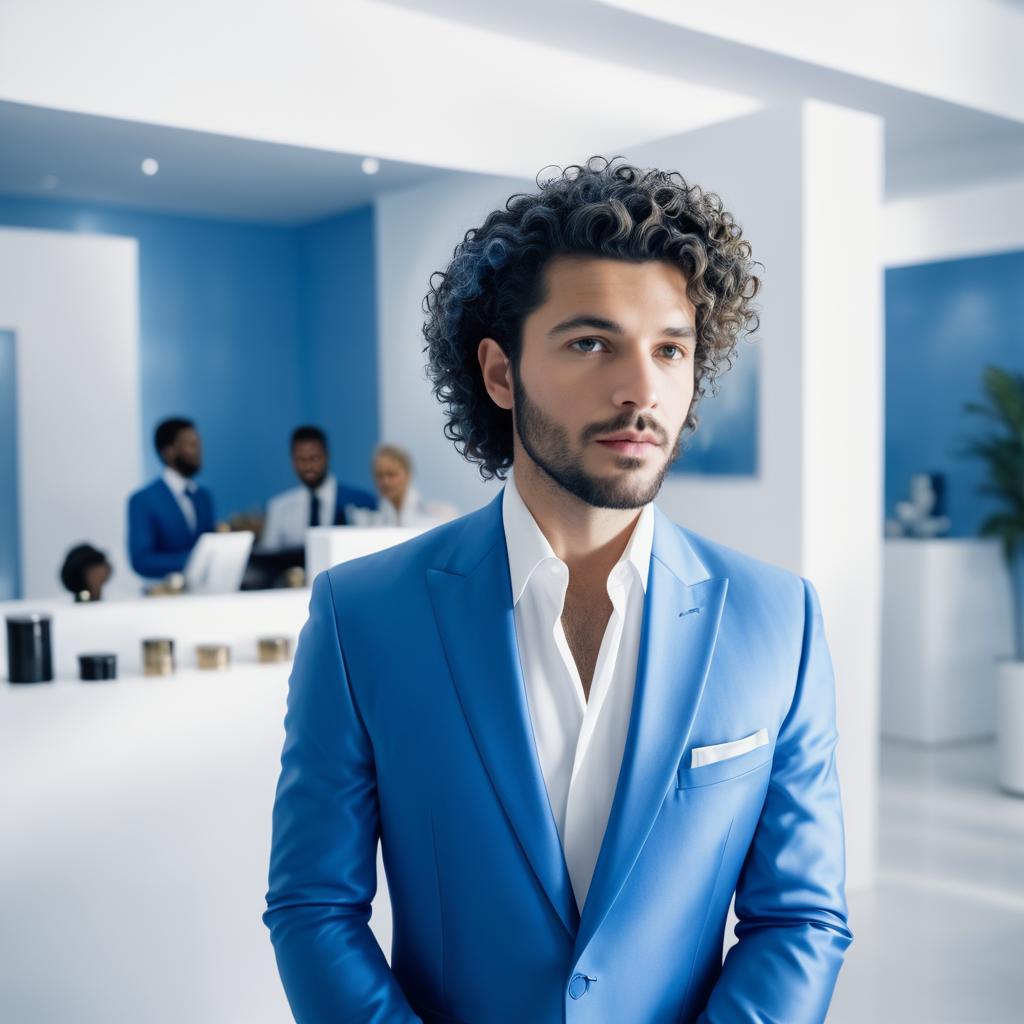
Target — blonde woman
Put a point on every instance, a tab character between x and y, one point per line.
401	503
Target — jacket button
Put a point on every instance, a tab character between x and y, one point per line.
579	985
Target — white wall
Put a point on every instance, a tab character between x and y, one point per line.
72	301
762	514
416	232
951	225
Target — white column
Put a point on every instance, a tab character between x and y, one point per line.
842	401
72	301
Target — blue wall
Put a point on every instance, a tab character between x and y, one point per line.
10	534
226	338
725	442
944	322
339	328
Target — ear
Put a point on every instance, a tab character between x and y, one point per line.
497	372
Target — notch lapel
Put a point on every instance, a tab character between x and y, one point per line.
472	601
676	647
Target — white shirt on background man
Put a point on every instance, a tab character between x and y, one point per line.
288	515
179	485
579	741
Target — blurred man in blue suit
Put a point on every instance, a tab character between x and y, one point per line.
166	517
576	727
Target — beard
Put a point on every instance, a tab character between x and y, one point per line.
186	467
548	445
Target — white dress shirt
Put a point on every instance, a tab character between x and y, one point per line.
288	515
579	741
179	485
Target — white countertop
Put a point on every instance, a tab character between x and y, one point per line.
120	626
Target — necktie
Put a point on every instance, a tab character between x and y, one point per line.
190	489
314	508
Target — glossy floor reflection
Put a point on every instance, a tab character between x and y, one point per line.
941	938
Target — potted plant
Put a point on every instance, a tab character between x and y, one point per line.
1001	448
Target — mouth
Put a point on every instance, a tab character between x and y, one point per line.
633	448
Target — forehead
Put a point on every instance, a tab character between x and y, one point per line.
653	289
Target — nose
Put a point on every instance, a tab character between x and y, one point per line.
635	381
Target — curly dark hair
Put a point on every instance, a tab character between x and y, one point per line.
495	279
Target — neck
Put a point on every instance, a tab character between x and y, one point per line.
589	540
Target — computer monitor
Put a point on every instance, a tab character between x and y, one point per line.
217	562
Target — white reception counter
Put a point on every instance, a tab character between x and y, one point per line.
136	819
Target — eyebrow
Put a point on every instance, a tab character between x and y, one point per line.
600	323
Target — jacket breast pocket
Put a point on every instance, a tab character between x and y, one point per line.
723	769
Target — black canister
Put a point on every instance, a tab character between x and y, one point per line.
29	651
97	666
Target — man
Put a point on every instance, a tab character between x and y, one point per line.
577	727
320	500
166	517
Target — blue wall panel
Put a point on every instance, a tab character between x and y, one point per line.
227	339
10	532
944	322
339	328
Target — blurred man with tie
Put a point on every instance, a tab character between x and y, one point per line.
320	500
166	517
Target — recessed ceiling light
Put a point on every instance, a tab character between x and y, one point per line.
150	166
370	165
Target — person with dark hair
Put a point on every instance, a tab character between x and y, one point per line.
320	499
166	517
576	727
85	571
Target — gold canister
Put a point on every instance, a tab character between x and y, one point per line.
213	656
157	656
295	577
274	648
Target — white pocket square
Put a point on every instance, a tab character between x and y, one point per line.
701	756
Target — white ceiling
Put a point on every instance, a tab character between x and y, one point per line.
680	78
98	159
931	144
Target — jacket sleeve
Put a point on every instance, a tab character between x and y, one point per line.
146	560
326	825
790	902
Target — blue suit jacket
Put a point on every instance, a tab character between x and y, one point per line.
159	538
352	496
407	719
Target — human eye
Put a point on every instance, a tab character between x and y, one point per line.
680	352
586	341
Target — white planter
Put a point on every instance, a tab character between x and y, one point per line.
1010	724
946	615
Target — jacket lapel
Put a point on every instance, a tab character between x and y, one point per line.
682	611
471	596
174	511
472	600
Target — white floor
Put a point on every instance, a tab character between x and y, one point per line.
941	938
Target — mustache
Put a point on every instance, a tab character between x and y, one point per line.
630	422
